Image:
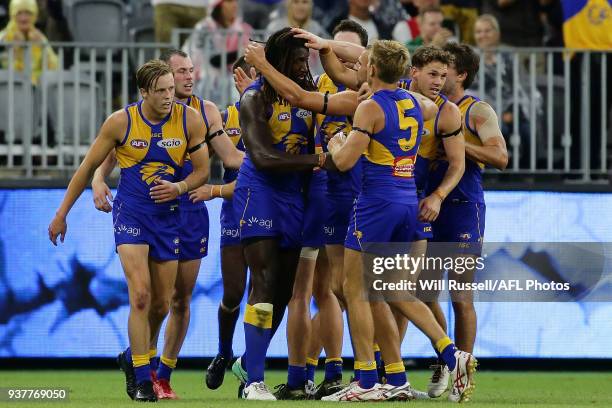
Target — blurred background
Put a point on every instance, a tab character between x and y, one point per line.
67	64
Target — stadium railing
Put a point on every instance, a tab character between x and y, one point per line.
543	87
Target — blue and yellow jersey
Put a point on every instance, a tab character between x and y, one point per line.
389	161
186	204
430	142
587	24
291	128
150	153
231	125
339	184
469	188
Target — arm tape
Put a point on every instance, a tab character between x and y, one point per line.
454	133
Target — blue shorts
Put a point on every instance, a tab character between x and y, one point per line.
376	220
340	212
264	212
193	233
159	231
461	222
230	230
423	229
315	214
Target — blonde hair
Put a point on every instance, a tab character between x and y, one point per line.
149	72
16	6
294	23
390	58
489	18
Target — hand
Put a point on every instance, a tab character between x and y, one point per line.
429	208
102	196
312	41
35	35
242	80
441	37
255	54
165	191
364	92
336	142
57	227
203	193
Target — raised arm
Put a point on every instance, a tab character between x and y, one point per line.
345	151
220	142
113	128
102	195
343	103
493	151
330	51
258	139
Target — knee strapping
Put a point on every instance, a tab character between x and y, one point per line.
309	253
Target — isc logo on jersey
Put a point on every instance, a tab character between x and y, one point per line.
169	143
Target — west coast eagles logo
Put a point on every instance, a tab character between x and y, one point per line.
154	172
294	143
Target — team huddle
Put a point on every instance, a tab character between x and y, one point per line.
384	147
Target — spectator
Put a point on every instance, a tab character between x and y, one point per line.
359	11
407	30
464	14
519	21
170	14
222	32
389	14
431	30
586	25
487	36
299	14
21	27
257	12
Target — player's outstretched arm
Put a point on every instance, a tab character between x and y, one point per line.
219	140
329	51
102	195
108	136
493	151
337	104
449	128
198	153
209	191
345	151
258	139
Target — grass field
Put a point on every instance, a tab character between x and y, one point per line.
494	389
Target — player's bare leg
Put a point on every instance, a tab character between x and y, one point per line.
299	326
234	274
178	323
465	313
135	361
330	338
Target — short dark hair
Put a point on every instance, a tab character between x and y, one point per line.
167	54
465	60
241	63
352	27
149	73
428	53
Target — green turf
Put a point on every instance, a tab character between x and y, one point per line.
495	389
